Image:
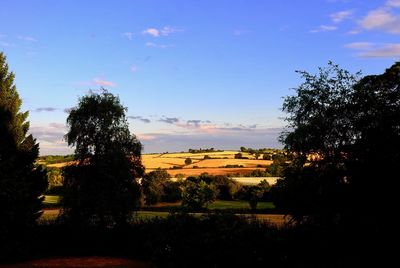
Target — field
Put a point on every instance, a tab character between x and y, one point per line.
217	163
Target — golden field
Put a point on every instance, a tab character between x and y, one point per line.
174	163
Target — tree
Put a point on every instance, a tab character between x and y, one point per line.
102	188
197	195
21	182
153	185
238	156
188	161
353	126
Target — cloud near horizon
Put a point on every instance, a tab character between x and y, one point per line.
372	50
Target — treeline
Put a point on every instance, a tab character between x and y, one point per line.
198	151
196	193
52	159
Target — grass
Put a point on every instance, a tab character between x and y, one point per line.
51	200
222	204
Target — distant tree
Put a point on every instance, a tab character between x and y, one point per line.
197	195
21	183
243	149
172	191
188	161
238	156
227	187
257	155
102	188
267	156
206	157
153	185
254	194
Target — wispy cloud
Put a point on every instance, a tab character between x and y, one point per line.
383	18
51	138
45	109
340	16
169	120
128	35
151	44
103	83
140	118
227	139
26	38
324	28
371	50
165	31
360	45
134	69
5	44
393	3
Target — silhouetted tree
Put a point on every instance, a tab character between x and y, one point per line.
354	127
102	188
21	183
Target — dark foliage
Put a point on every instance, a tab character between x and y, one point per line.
352	128
102	188
21	183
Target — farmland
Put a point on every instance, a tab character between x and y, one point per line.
213	163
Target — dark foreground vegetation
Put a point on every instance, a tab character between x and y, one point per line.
338	185
181	240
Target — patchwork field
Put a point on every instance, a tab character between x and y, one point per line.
216	163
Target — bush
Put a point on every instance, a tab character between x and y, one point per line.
196	196
188	161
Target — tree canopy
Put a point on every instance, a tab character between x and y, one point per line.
352	126
21	183
102	187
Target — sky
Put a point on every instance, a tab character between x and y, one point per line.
193	74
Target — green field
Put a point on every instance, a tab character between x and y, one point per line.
51	200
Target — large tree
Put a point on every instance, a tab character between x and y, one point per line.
352	128
21	182
101	188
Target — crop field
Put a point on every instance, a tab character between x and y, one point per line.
217	163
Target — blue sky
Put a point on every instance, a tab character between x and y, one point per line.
192	73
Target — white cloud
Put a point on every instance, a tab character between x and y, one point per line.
324	28
381	19
128	35
152	31
384	51
27	38
371	50
393	3
151	44
4	44
360	45
103	83
165	31
341	16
